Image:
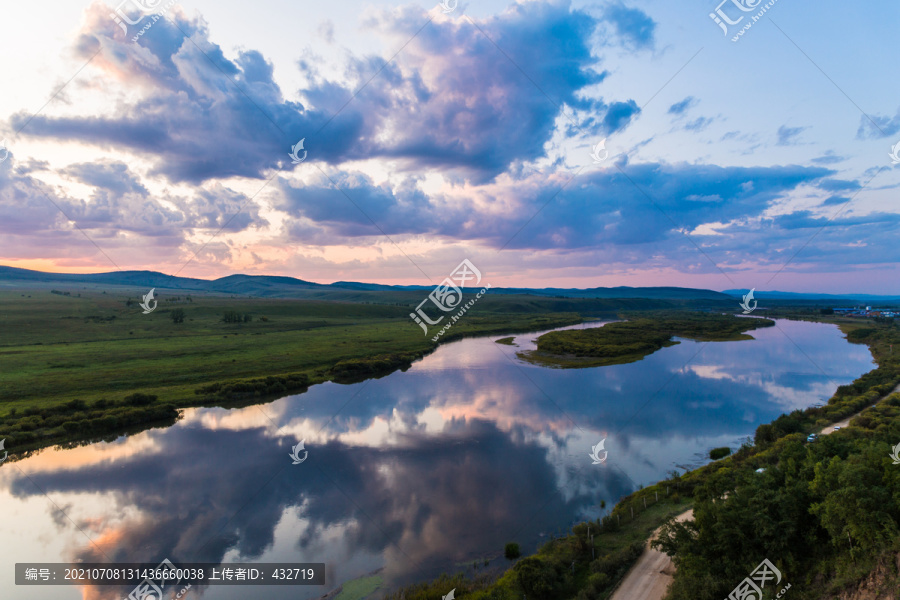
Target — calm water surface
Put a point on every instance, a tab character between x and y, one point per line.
414	473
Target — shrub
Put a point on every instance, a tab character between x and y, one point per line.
511	551
717	453
537	579
139	399
71	426
74	405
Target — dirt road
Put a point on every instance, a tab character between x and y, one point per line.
649	578
845	422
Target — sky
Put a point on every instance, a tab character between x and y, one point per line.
551	143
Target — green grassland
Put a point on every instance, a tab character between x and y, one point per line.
357	589
640	336
83	361
74	358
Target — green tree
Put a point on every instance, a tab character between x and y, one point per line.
537	579
855	502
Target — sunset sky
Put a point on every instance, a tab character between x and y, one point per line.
433	137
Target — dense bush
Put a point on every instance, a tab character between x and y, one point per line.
642	336
139	399
254	388
354	370
511	551
538	578
76	418
717	453
232	316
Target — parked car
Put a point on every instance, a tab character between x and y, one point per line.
812	437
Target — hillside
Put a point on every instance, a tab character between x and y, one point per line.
270	286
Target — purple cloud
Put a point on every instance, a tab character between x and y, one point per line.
468	99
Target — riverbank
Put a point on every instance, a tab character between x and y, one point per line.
779	474
84	368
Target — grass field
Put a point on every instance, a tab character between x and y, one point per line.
357	589
632	340
83	361
90	346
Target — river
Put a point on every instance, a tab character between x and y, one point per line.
415	473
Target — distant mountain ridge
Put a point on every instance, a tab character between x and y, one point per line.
281	286
776	295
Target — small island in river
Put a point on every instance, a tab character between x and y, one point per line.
632	340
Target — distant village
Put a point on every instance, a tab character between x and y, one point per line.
866	311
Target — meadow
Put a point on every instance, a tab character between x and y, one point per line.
641	335
81	362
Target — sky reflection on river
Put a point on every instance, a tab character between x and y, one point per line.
415	472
